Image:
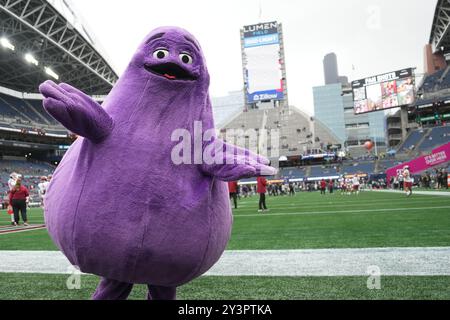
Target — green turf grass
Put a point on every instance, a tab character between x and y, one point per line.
315	221
53	287
308	220
432	189
311	221
30	240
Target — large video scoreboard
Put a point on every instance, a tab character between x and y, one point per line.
262	62
385	91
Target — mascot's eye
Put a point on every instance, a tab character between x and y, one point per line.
160	54
185	58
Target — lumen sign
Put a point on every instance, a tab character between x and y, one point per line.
260	29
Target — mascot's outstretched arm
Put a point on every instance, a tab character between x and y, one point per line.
76	111
230	163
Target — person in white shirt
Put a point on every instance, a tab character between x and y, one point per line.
355	182
11	185
407	181
342	184
401	182
349	187
42	188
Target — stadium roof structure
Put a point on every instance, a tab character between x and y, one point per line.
37	42
440	30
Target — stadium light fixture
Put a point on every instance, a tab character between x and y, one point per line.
51	73
7	44
31	59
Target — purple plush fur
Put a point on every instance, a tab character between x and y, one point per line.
117	206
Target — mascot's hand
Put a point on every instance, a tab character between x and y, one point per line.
76	111
230	163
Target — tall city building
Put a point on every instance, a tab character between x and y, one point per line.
333	106
330	68
329	108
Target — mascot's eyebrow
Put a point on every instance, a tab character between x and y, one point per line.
193	42
156	36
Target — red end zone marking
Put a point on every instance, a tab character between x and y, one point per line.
14	229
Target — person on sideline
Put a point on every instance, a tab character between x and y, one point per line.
18	199
331	186
233	189
323	187
408	181
262	189
356	185
42	188
291	189
11	184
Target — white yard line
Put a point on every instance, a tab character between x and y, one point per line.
349	199
338	204
317	262
20	229
337	211
424	193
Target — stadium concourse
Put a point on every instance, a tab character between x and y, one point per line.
348	243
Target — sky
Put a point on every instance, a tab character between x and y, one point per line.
370	37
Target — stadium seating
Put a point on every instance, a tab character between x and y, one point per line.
436	82
19	106
37	105
433	82
31	171
293	131
352	167
319	171
293	173
6	111
30	112
412	141
383	165
359	167
437	137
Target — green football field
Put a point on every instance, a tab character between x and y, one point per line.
306	221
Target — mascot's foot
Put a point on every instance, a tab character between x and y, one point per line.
112	290
161	293
115	290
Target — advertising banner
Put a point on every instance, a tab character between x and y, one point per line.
437	157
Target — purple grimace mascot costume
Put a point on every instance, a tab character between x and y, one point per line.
118	206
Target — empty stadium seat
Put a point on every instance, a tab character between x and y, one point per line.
28	111
31	171
319	171
359	167
293	173
412	141
438	136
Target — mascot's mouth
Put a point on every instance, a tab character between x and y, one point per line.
170	71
